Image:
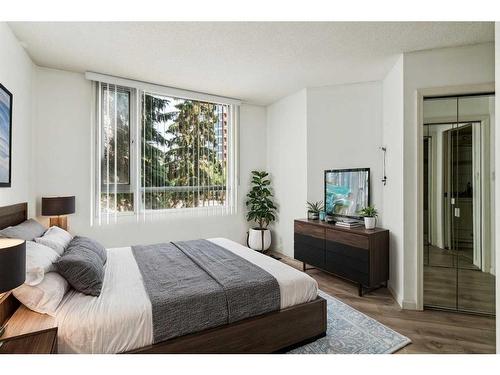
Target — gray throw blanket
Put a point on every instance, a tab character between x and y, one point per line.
196	285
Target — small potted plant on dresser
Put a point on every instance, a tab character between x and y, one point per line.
313	210
370	215
261	210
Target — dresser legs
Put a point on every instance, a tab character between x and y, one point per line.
362	289
304	267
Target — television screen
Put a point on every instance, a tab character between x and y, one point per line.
347	191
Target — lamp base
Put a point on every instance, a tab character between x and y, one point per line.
59	221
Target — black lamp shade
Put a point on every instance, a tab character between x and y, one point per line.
55	206
12	263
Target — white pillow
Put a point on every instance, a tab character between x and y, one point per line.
39	260
55	238
45	297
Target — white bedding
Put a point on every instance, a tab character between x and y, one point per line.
120	318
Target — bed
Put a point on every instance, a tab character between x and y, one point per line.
120	320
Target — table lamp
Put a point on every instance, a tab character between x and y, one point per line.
12	265
58	208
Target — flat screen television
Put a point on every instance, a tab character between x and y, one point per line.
347	191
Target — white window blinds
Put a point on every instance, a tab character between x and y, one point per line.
161	154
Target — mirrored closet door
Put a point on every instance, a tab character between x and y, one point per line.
459	261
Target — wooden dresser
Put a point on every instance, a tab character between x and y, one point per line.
360	255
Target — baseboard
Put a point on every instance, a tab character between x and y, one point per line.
409	305
404	304
280	252
395	295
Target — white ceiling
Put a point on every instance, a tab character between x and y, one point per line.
257	62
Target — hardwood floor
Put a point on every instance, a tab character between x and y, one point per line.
430	331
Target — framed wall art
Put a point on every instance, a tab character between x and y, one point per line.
5	137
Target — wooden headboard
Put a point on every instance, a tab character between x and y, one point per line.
13	215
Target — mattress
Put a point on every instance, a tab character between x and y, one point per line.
120	319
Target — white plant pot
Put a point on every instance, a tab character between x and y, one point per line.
255	237
370	222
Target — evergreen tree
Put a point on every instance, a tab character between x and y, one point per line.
191	156
153	142
183	155
178	149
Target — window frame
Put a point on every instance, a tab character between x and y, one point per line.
134	187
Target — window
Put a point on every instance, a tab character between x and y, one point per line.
183	159
181	165
115	149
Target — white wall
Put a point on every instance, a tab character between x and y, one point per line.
344	130
287	164
393	119
317	129
443	67
62	146
16	74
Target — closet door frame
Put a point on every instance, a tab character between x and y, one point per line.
420	94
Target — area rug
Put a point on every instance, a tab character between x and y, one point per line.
350	331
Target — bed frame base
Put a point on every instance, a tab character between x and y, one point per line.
278	331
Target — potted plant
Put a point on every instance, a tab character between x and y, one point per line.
261	210
370	215
313	210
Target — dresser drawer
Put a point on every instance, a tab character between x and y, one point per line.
341	249
348	268
361	265
307	240
309	250
348	261
351	239
309	230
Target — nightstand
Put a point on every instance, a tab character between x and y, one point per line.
28	332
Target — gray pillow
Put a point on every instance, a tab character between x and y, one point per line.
27	230
83	270
90	244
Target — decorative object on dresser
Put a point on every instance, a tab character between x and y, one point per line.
348	223
322	215
261	210
58	208
314	209
5	137
356	254
370	214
